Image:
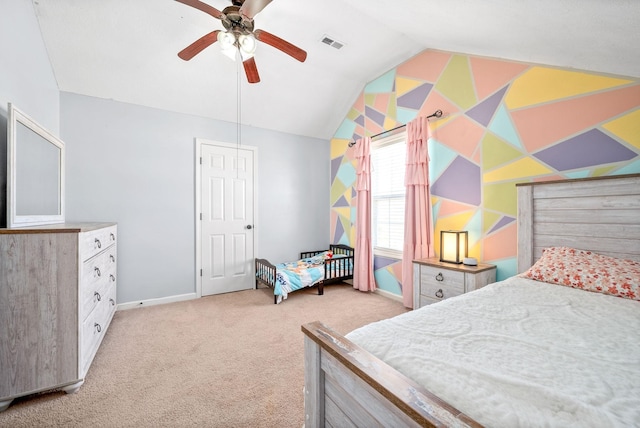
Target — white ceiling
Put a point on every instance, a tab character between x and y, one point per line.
126	50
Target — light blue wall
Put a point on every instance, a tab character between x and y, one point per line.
135	165
26	78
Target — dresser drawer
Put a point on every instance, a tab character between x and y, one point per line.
97	267
91	331
98	274
94	327
94	295
95	241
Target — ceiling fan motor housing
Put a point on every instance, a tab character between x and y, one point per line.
232	20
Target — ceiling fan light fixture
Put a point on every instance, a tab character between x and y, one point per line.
247	45
227	42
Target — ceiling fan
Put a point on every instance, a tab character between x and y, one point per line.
240	35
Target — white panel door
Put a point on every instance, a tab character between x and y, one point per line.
227	219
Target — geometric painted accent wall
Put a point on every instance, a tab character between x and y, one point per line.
504	123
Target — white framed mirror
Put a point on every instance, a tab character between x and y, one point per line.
35	173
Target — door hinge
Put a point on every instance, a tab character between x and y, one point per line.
200	160
200	272
200	216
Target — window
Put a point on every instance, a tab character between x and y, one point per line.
388	157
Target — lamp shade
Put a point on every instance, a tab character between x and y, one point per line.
453	245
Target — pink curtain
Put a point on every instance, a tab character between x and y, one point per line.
418	224
363	278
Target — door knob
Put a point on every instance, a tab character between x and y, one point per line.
249	226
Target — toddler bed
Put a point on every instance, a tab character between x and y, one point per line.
557	345
318	267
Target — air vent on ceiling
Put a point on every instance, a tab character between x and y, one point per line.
331	42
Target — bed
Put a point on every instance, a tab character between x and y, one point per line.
318	267
553	355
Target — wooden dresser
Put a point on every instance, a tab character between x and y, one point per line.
57	298
434	280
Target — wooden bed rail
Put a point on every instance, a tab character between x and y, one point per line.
343	382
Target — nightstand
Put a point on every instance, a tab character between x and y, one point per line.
434	280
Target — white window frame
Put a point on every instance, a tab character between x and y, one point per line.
395	138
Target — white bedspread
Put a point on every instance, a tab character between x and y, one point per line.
521	353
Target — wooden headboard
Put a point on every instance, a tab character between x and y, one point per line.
597	214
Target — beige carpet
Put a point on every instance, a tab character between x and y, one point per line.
232	360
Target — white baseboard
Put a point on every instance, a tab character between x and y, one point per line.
191	296
389	295
153	302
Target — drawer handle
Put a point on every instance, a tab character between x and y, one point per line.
113	237
97	327
98	243
112	278
113	258
113	302
97	296
97	271
439	277
439	294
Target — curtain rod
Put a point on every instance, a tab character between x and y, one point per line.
437	113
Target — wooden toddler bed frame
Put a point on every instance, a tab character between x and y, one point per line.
335	270
345	384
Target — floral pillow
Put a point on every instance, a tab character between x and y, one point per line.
588	271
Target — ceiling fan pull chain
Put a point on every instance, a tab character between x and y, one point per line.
238	117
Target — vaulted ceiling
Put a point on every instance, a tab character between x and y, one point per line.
127	50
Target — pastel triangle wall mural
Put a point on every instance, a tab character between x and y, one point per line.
504	122
456	83
542	84
626	128
484	111
490	75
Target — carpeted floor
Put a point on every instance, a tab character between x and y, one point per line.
231	360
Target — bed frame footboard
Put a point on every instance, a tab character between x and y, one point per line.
266	274
339	269
335	270
347	386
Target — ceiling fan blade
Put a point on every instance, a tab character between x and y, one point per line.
251	8
196	47
203	7
280	44
251	70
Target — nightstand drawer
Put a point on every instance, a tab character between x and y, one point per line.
441	290
442	277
